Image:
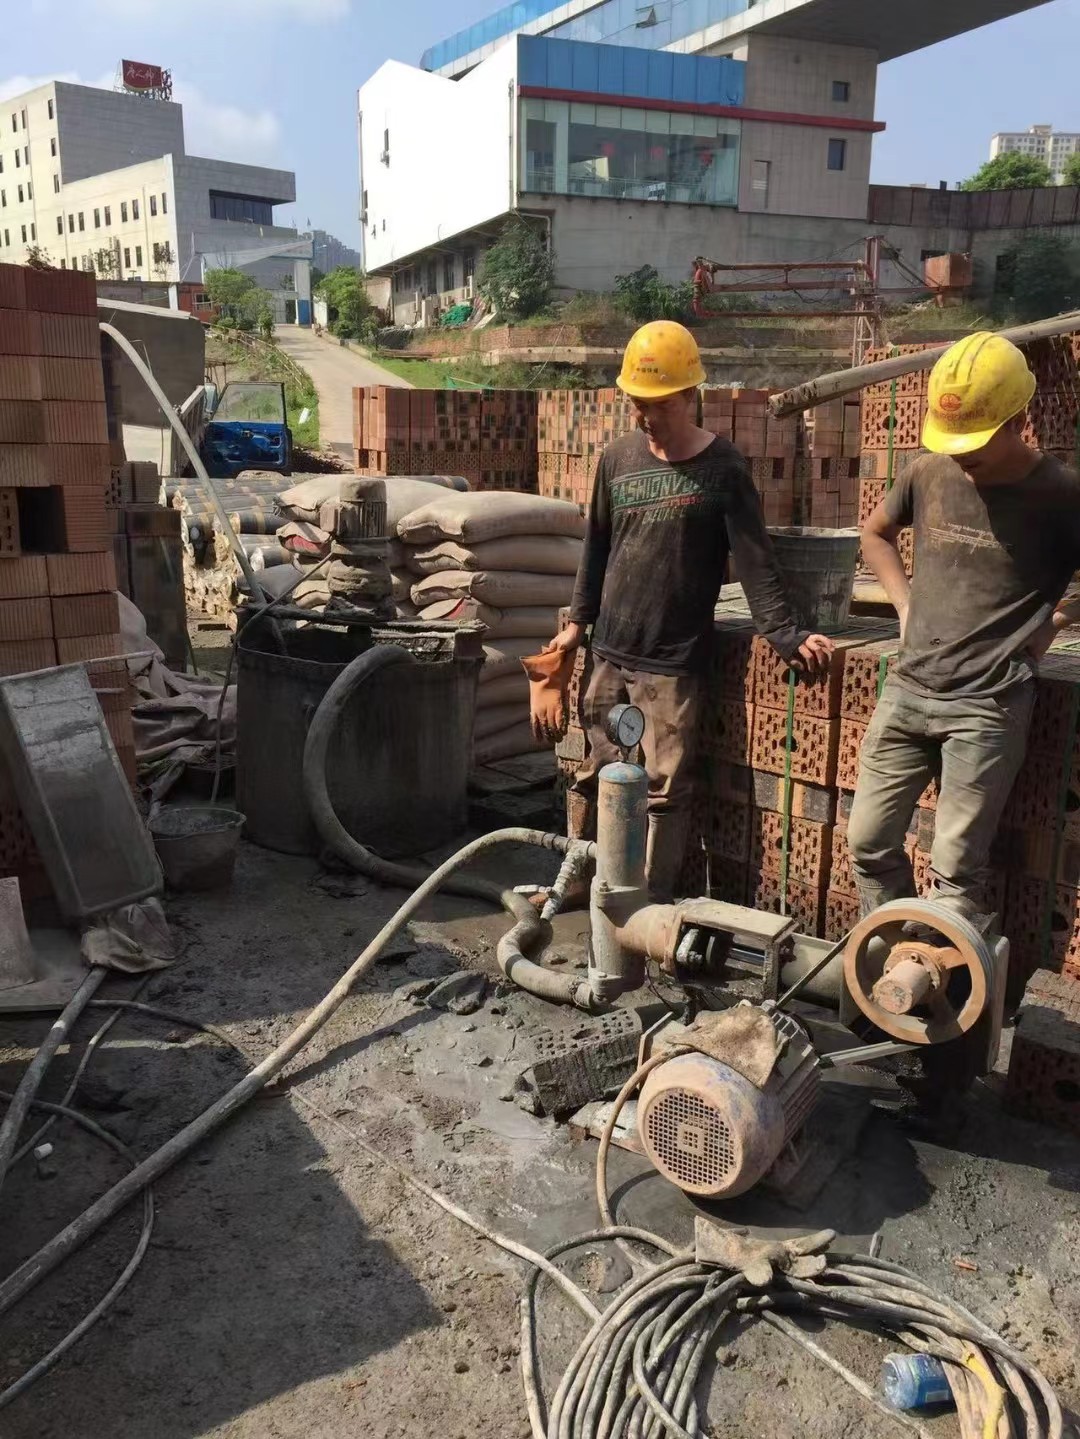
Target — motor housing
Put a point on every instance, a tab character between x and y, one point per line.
711	1131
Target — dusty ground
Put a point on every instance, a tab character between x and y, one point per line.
294	1286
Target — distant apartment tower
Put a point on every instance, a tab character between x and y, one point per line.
101	180
1041	142
329	253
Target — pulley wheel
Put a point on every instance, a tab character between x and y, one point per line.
961	970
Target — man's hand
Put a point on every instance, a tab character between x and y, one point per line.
814	655
571	638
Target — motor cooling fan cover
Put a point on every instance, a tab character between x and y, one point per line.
706	1128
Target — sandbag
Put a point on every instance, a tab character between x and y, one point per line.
464	611
535	554
490	515
517	739
536	622
505	659
274	582
301	538
499	588
504	689
406	610
401	580
493	718
403	493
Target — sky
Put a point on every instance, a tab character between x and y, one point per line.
274	82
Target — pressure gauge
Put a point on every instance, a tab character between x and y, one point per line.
625	726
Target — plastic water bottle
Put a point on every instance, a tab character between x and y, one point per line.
914	1381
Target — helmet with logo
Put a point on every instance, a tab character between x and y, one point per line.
977	386
661	359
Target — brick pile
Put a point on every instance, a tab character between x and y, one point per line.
57	573
573	428
1044	1064
489	437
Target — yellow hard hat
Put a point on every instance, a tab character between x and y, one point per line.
978	385
661	359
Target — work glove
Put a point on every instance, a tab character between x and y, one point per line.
549	679
758	1258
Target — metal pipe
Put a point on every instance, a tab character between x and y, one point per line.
619	886
848	382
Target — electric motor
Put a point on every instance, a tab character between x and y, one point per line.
714	1133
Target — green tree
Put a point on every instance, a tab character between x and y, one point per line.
1040	277
352	316
1011	171
1072	169
643	296
37	258
237	296
518	271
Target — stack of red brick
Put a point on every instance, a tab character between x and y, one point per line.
771	447
489	437
58	601
573	428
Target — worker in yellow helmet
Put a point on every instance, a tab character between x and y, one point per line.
997	540
670	501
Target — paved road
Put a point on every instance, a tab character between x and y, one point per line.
334	371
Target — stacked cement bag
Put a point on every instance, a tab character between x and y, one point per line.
507	560
310	511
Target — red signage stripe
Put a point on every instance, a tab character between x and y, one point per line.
682	107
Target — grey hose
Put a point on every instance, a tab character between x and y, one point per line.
122	1193
35	1070
529	932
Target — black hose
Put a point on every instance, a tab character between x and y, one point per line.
529	934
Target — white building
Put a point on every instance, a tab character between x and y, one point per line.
1041	142
101	180
637	133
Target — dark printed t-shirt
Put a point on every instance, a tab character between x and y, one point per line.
991	563
655	551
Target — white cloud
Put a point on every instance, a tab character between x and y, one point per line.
220	132
225	132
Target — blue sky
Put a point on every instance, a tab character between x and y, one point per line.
274	81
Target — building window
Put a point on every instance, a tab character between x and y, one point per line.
24	119
108	214
26	153
59	224
123	212
1	164
33	232
63	264
24	234
164	203
82	221
153	205
127	258
245	208
29	189
52	112
622	153
20	194
15	123
7	237
52	146
138	255
468	265
18	159
97	219
56	184
134	209
448	272
3	199
841	92
837	154
71	224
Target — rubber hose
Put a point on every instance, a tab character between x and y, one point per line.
35	1070
71	1238
529	933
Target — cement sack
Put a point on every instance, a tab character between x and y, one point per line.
406	610
494	718
401	581
466	611
517	739
538	623
300	538
504	658
534	554
403	493
498	588
504	689
490	515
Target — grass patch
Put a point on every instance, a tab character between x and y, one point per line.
468	373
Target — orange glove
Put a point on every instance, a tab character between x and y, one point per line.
549	678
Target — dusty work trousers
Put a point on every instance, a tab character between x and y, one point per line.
671	705
974	747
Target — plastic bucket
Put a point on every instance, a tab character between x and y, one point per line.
197	844
818	567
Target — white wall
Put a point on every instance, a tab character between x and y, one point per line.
451	154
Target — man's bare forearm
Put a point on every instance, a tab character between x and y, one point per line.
884	559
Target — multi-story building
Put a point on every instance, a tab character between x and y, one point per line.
634	133
329	253
101	180
1041	142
